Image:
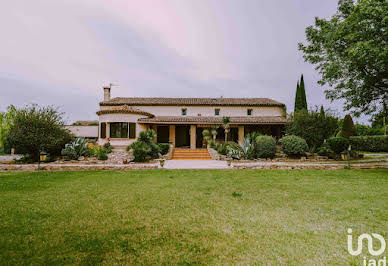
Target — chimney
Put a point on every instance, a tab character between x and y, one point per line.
106	94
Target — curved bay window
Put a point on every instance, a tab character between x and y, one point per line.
122	130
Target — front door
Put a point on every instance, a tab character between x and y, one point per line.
163	134
182	136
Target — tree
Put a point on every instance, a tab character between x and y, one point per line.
226	126
6	120
312	126
303	93
348	128
350	51
300	96
213	131
36	129
322	112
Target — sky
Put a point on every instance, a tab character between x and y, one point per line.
62	53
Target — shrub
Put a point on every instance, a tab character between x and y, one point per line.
75	149
325	150
348	128
35	129
147	137
107	147
235	152
293	145
370	143
213	144
164	148
141	151
265	147
222	148
102	154
338	144
314	126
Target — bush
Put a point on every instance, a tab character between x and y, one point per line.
75	149
102	154
235	152
348	128
107	147
266	147
164	148
293	145
338	144
370	143
212	144
141	151
222	148
325	150
314	126
35	129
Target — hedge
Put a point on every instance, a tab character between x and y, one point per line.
369	143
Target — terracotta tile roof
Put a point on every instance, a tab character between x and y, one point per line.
194	101
254	120
124	109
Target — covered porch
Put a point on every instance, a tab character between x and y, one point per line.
188	133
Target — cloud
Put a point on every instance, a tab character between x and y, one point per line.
62	52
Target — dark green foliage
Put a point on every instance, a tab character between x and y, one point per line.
364	130
303	93
36	129
141	151
350	52
164	148
338	144
348	128
300	96
102	154
144	148
266	147
325	150
370	143
107	147
293	145
313	126
222	148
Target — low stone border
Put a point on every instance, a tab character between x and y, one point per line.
71	167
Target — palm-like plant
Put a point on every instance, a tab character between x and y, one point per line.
213	131
226	126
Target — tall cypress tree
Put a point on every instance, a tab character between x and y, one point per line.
297	105
303	93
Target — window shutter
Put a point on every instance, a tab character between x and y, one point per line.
132	130
103	130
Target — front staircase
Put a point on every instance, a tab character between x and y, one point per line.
190	154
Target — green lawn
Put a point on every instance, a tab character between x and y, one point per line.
189	217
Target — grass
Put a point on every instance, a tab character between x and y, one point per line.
189	217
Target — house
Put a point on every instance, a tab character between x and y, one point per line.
181	121
84	129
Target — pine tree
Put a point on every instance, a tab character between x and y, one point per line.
303	93
348	128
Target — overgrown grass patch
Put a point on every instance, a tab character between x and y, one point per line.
188	217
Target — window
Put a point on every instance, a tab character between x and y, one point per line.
103	130
249	112
119	130
216	111
123	130
184	111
